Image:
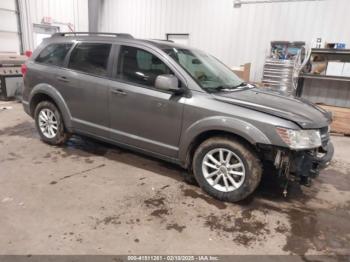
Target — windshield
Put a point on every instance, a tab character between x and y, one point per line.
206	70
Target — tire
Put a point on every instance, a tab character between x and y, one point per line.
247	171
59	136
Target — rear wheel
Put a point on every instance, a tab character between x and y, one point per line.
226	168
49	123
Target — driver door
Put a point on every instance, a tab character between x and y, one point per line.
141	115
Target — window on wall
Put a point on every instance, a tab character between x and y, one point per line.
90	58
139	66
54	54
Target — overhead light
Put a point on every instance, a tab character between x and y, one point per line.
239	3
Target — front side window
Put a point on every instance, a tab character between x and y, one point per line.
205	69
90	58
139	66
53	54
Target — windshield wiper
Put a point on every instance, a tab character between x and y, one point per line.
220	88
216	88
241	84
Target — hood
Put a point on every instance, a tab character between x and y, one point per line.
298	110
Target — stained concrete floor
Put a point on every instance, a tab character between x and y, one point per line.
91	198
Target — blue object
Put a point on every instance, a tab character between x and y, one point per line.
340	45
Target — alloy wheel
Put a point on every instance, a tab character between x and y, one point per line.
223	169
48	123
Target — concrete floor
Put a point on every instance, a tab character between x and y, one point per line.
91	198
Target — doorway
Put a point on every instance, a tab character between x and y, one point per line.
43	31
182	39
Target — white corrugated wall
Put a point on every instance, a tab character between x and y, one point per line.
9	35
234	35
74	12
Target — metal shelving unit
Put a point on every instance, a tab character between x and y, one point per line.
330	51
325	77
326	89
278	74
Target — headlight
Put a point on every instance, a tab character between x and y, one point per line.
300	139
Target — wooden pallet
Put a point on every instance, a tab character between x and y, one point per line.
341	119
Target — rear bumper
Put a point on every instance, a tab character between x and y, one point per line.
26	107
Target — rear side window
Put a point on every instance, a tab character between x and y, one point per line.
90	58
53	54
139	66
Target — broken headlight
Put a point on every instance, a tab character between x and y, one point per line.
300	139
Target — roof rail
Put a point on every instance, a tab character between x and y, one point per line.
62	34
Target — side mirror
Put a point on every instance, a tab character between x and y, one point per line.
168	83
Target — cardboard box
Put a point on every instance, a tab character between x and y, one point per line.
242	71
335	68
341	119
318	68
346	69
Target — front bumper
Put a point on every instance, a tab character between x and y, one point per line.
309	163
297	165
325	160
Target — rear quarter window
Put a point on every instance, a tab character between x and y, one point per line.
90	58
53	54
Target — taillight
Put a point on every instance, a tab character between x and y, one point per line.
28	53
24	69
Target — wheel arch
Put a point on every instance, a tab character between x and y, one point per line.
44	92
218	126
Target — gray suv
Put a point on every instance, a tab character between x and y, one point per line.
175	103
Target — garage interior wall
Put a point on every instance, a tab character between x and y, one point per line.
62	13
9	33
234	35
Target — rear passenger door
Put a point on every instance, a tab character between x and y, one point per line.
87	90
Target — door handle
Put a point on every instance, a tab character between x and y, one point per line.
119	92
62	79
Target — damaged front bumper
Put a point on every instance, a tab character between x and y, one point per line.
307	164
300	165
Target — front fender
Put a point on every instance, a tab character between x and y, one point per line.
219	123
56	97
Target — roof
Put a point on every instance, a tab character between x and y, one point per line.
164	44
63	34
111	37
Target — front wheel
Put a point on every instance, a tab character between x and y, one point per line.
226	168
49	123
